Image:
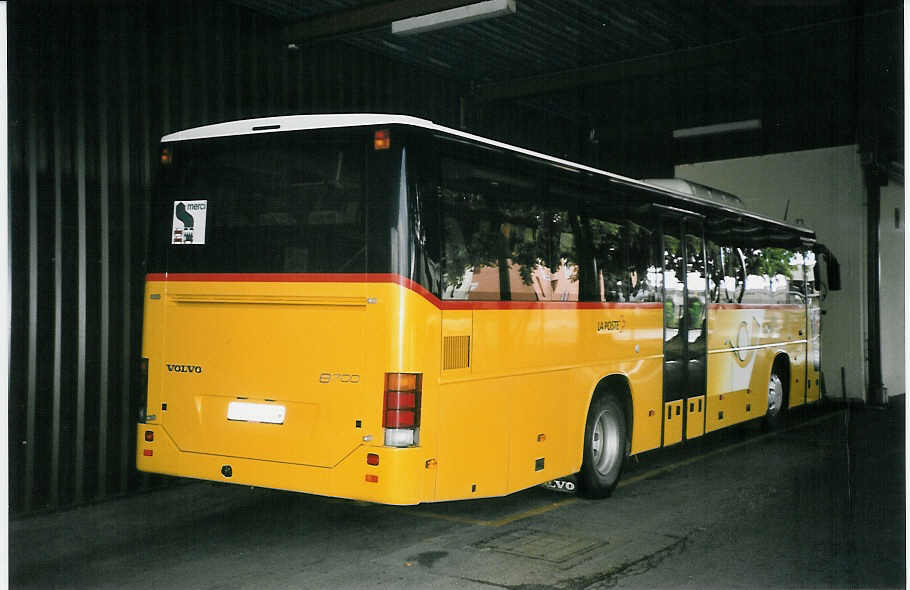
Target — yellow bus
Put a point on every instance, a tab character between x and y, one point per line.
381	308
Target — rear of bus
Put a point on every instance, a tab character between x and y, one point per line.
284	344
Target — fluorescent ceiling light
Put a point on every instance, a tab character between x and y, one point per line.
438	62
453	16
391	45
717	129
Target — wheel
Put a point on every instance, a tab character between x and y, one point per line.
606	447
776	402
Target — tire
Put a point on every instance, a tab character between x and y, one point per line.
606	447
777	403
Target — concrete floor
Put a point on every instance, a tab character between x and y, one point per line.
818	504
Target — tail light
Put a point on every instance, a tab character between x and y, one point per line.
142	386
401	409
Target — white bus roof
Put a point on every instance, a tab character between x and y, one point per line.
310	122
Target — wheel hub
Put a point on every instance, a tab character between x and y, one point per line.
605	442
775	395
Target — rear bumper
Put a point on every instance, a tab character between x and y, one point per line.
402	477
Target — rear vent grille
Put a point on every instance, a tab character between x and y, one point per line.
456	352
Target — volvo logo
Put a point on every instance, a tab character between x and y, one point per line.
184	368
560	485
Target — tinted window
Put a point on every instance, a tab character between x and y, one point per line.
695	282
520	233
609	260
786	284
715	269
754	275
499	240
732	284
810	278
280	202
643	262
618	254
769	271
674	285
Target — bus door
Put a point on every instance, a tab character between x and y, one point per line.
685	337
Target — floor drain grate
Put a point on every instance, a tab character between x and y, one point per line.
550	547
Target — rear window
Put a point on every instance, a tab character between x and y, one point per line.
277	202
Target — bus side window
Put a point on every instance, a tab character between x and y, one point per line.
734	281
609	260
809	261
673	286
470	270
786	267
527	278
796	289
424	220
495	235
715	272
758	282
771	271
643	263
553	267
471	237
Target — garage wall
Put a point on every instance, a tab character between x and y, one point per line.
92	88
825	190
893	288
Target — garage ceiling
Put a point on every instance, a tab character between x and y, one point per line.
818	68
544	37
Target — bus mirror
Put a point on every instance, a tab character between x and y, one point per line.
832	266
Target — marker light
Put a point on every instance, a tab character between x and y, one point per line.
147	452
381	139
401	408
149	436
165	157
372	459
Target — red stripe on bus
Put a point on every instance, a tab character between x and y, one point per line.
460	304
405	282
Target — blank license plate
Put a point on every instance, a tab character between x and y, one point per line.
250	412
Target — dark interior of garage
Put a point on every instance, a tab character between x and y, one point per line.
94	85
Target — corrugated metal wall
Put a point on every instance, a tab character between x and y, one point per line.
92	88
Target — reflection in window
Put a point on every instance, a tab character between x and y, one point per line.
715	273
758	279
504	238
499	243
549	284
734	269
696	284
645	277
470	271
788	284
674	301
809	265
755	275
625	260
608	245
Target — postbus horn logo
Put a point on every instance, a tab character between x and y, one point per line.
187	221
